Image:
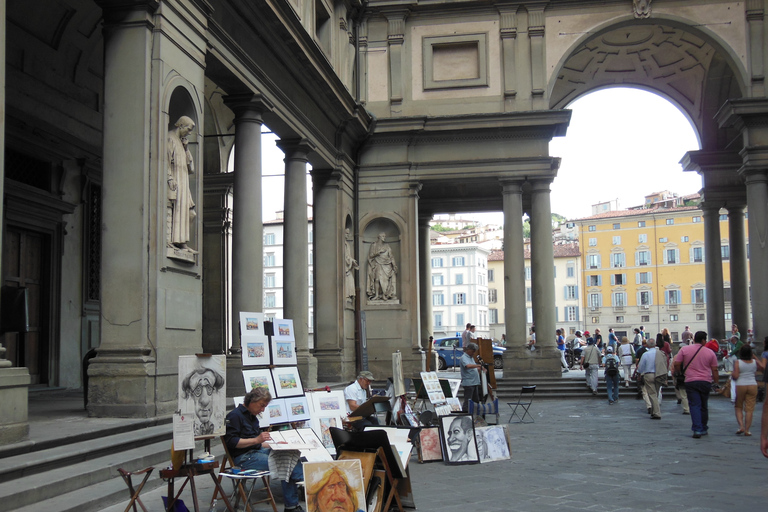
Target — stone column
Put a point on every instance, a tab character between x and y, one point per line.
757	204
543	276
713	271
514	265
739	281
296	252
425	280
247	225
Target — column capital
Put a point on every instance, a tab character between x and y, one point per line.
248	106
704	162
541	185
296	149
709	208
115	10
511	186
736	209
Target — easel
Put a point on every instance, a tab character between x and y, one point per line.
189	470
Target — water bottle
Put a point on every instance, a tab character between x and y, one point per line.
213	507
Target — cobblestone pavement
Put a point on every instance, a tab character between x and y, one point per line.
587	455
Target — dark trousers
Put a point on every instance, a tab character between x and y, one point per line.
470	393
698	402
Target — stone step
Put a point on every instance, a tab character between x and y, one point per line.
71	452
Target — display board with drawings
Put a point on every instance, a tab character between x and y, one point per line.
493	443
435	393
202	392
254	340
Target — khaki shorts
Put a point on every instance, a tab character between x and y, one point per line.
746	396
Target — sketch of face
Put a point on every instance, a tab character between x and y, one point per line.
334	496
482	450
497	445
429	441
458	440
202	387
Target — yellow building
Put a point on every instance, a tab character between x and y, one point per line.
646	267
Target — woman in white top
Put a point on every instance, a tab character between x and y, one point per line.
626	353
746	388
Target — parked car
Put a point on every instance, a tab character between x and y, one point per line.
449	352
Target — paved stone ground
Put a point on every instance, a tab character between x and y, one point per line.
587	455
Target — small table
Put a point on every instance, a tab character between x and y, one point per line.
248	474
189	471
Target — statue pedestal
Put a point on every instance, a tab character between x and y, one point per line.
14	384
542	361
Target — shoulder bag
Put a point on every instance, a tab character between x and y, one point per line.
680	376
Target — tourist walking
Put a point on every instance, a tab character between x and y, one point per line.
612	364
637	341
700	372
626	353
744	370
590	360
613	341
561	347
653	369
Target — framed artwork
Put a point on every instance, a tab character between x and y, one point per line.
397	374
255	352
202	392
276	411
283	330
283	352
259	379
253	340
455	385
327	404
309	437
321	425
287	382
297	408
433	387
457	433
492	443
334	485
430	447
454	403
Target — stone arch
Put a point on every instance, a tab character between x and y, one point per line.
370	233
688	65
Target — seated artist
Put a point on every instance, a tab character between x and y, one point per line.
249	446
356	394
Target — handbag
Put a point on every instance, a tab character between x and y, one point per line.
680	376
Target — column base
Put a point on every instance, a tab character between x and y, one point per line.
542	361
121	383
235	382
14	385
307	369
332	367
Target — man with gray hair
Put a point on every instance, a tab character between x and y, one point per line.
356	394
653	370
470	378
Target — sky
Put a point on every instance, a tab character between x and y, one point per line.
622	143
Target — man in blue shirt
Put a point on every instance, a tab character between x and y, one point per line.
249	446
470	378
653	369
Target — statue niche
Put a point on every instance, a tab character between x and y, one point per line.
382	272
181	206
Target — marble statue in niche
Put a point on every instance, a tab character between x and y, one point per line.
382	271
350	265
180	168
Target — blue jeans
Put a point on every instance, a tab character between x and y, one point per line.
612	383
698	398
258	459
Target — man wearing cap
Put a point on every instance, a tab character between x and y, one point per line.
356	394
470	378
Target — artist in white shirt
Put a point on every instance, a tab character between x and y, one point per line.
356	394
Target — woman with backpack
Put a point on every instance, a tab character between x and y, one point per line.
612	364
626	353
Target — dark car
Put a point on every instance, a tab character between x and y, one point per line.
449	352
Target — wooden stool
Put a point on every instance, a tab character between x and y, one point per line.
135	493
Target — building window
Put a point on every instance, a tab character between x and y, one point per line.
480	279
571	292
269	239
697	254
644	278
594	280
645	318
481	298
673	297
493	316
696	219
459	298
670	222
700	317
459	278
593	242
460	320
437	279
594	300
593	261
269	300
618	279
698	296
617	226
570	313
438	320
641	223
437	299
570	270
492	295
529	315
672	256
725	251
311	257
269	280
619	299
644	298
618	260
673	318
437	262
528	294
491	276
595	319
643	258
527	273
683	238
727	294
269	259
458	261
617	240
727	317
724	217
619	319
642	238
592	228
